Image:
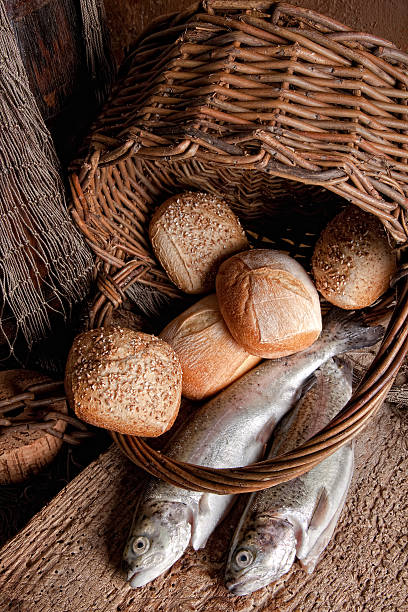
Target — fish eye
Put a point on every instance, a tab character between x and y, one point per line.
243	558
140	545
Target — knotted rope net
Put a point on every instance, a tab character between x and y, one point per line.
45	266
99	58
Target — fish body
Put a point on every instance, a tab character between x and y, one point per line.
228	431
296	518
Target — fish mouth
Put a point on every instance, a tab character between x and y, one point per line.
245	588
130	573
247	584
138	578
236	588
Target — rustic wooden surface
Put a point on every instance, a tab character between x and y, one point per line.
68	557
49	36
48	31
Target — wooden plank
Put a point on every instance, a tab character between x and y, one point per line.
49	30
67	559
48	33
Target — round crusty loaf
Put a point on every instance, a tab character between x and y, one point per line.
126	381
191	234
353	261
24	453
268	302
209	356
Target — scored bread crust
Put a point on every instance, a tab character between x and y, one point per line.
126	381
191	233
209	356
268	302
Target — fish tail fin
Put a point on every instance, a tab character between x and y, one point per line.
347	331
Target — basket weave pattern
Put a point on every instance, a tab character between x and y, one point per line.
247	100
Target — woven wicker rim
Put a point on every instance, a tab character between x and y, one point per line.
349	422
142	147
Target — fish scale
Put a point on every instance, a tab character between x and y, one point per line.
298	517
228	431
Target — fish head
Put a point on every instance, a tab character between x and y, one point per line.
160	534
261	554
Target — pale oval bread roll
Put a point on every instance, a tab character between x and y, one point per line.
209	356
126	381
191	233
353	261
268	302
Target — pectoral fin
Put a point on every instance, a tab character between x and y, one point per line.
326	515
317	523
321	511
308	562
212	509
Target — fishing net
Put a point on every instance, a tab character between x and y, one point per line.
45	266
99	58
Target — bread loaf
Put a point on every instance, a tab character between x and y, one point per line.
191	234
209	356
126	381
268	302
353	261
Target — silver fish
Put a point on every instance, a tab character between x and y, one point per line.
298	517
228	431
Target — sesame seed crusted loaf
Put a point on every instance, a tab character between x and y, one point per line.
191	234
126	381
353	261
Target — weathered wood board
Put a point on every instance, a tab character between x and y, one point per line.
68	557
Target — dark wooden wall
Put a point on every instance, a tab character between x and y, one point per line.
49	36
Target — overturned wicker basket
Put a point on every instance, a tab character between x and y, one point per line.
251	100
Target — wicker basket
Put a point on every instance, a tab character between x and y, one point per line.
251	100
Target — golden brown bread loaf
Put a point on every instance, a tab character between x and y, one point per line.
124	380
268	302
191	233
353	261
209	356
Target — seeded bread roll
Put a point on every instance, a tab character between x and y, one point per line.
124	380
353	261
269	303
191	234
209	356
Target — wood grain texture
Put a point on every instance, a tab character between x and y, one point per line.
50	39
68	557
48	36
